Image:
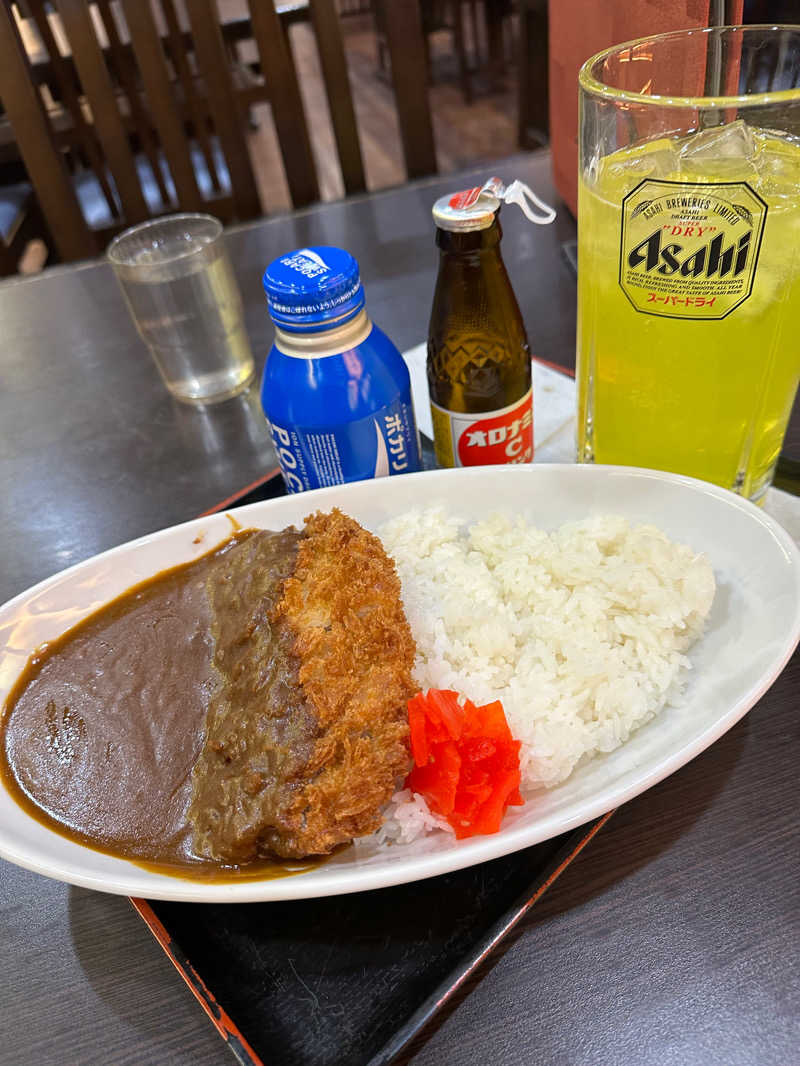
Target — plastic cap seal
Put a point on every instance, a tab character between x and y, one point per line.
311	288
464	211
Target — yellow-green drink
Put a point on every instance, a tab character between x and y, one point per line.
689	303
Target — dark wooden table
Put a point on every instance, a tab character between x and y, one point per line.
673	939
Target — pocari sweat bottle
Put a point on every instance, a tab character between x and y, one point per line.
335	389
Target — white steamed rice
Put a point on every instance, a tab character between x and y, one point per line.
582	632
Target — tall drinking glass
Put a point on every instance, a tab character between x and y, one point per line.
179	286
689	253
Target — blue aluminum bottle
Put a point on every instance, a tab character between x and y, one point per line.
335	389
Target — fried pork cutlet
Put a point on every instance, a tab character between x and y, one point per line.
308	739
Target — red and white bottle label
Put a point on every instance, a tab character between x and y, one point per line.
488	438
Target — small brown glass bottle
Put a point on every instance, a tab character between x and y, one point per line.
479	361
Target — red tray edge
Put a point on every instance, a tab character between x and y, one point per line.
438	999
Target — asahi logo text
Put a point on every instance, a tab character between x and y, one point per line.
713	258
690	252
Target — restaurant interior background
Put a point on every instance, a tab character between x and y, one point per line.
282	103
674	940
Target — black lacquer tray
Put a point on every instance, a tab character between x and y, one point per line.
350	979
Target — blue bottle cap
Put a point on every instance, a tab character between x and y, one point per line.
310	288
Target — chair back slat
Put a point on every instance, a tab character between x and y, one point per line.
340	98
43	161
122	63
222	104
158	90
69	90
278	70
99	91
403	24
195	107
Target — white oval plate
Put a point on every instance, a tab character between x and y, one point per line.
753	629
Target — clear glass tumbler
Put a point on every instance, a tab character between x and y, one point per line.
181	291
689	253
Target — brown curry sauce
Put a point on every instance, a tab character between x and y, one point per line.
101	731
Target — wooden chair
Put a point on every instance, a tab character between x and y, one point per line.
482	60
354	7
449	15
401	23
533	109
142	117
402	26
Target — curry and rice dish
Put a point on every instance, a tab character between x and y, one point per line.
254	704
